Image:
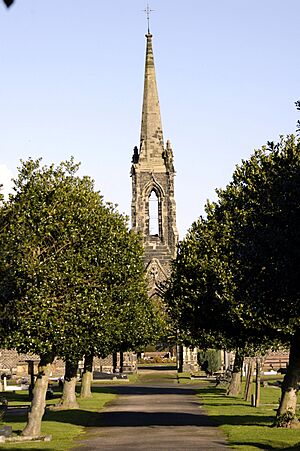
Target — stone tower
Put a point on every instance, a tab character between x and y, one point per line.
153	208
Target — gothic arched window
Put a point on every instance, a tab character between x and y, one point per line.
153	214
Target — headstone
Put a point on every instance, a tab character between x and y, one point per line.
5	431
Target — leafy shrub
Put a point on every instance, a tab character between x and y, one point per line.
209	360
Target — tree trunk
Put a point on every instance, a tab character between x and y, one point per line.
289	389
235	383
38	403
179	358
257	383
68	399
121	361
87	377
115	361
249	380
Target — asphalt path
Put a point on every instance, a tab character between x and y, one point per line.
157	415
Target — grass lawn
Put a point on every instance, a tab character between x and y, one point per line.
132	378
64	426
164	377
248	428
185	378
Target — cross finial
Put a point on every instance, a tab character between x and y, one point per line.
148	11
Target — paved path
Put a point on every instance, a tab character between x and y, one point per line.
155	416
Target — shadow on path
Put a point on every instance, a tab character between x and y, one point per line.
145	390
129	419
135	419
145	368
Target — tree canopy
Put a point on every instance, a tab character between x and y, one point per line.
68	265
261	210
71	274
236	278
241	261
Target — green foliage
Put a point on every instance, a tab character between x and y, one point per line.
71	274
150	348
210	360
201	291
260	208
236	278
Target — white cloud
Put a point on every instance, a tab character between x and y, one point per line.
5	180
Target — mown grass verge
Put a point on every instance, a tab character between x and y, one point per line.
248	428
65	425
185	378
152	377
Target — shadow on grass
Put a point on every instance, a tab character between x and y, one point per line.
213	391
224	404
23	398
243	420
12	418
27	449
15	397
85	418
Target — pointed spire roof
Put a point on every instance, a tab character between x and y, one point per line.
152	144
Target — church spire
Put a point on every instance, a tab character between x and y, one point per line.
153	208
152	144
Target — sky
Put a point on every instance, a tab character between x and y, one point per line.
71	84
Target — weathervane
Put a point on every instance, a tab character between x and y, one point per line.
148	11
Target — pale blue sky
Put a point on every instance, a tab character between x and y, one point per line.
71	83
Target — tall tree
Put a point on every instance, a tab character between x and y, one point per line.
263	213
71	274
201	295
255	242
